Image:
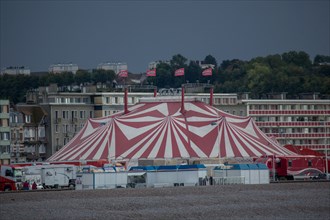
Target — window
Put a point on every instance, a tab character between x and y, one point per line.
65	141
82	114
289	163
56	114
56	128
4	136
65	114
9	172
27	118
309	163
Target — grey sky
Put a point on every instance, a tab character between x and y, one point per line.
39	33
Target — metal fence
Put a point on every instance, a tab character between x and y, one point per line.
228	180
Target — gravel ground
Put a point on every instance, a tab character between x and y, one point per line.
280	201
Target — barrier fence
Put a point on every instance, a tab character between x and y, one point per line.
228	180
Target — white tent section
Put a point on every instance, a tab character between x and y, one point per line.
156	129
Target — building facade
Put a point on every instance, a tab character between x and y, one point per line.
17	136
15	70
63	67
301	122
4	132
67	113
115	66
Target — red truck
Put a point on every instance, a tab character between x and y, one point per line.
296	167
10	177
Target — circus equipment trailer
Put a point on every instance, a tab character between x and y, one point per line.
241	174
10	177
101	180
166	176
263	173
52	175
295	167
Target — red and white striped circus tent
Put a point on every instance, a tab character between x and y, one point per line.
159	128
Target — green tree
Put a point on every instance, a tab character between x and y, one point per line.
209	59
82	76
193	72
103	76
297	58
321	59
66	78
178	61
258	79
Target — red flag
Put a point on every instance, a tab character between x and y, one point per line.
151	72
207	72
123	73
179	72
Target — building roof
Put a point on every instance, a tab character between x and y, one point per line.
36	112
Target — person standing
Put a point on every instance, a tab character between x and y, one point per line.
26	185
34	186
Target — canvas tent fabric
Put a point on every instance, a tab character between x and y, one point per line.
163	130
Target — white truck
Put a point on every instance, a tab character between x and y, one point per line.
53	175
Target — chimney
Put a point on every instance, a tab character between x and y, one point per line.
126	101
182	100
211	96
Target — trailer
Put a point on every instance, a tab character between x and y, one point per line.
296	167
167	176
108	177
52	175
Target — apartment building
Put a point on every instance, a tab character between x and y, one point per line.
4	132
67	113
16	70
63	67
28	124
16	120
301	122
115	66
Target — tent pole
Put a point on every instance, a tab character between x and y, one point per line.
182	100
126	101
155	91
211	96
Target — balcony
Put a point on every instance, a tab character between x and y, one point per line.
288	112
57	120
299	135
74	120
292	124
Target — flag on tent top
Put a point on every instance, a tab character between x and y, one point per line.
179	72
151	72
207	72
123	73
